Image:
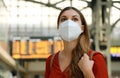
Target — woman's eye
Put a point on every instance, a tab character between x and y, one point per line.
63	19
75	19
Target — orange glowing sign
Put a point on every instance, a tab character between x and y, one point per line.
34	49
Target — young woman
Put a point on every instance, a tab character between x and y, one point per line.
74	60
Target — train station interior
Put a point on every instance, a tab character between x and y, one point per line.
28	34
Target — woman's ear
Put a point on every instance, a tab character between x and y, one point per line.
82	27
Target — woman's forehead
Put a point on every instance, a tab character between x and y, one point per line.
69	12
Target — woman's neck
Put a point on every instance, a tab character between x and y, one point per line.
68	47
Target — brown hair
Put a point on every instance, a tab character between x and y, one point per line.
81	47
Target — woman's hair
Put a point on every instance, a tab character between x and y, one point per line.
81	47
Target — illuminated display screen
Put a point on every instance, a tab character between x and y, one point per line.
115	51
34	48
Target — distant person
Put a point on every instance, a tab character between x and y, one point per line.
75	60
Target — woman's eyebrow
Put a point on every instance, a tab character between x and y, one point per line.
75	16
63	16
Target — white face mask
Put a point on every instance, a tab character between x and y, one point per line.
69	30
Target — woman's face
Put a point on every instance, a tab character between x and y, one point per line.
70	15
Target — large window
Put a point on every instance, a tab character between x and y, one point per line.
27	18
3	27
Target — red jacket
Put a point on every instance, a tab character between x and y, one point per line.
99	68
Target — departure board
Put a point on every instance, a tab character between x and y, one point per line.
115	51
35	48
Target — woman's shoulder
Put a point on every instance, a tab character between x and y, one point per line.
98	57
96	54
100	65
51	56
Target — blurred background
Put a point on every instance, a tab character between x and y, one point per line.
28	34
